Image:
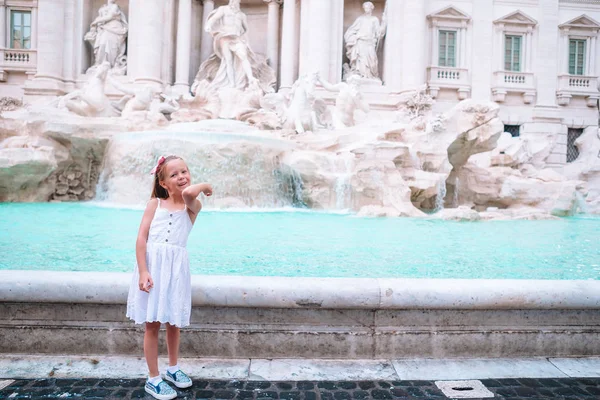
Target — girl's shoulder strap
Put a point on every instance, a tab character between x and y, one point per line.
158	198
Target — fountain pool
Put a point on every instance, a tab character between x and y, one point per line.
297	243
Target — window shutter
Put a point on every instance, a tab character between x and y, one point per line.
512	53
20	30
447	49
577	57
442	49
516	53
451	62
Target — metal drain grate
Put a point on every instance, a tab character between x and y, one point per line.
464	389
572	150
514	130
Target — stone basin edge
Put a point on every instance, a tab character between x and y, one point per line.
32	286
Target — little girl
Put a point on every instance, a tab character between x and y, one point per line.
160	290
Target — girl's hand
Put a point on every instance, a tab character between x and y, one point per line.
207	190
145	282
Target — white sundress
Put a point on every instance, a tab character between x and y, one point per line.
170	300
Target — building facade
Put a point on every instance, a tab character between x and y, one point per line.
536	58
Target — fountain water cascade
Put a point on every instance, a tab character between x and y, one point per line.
241	162
440	166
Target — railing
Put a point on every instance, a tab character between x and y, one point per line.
518	81
448	77
578	84
18	60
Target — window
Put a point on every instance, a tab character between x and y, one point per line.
20	29
514	130
576	56
512	53
572	151
447	50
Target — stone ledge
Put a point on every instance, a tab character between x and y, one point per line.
322	344
249	317
317	293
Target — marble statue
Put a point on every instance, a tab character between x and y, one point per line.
90	100
233	63
299	110
136	99
143	102
305	111
348	100
107	36
362	41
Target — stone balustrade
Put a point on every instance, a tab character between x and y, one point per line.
448	78
578	86
514	82
17	60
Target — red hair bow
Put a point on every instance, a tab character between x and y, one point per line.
160	162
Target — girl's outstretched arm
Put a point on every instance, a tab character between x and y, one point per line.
145	282
191	193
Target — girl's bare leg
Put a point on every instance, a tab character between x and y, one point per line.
151	347
173	344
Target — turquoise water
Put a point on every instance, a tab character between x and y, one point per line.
86	237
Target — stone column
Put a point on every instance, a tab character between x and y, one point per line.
336	37
206	47
289	45
563	56
413	46
463	46
547	117
529	54
547	70
392	58
196	39
482	65
3	27
499	51
145	41
588	56
592	71
69	46
34	22
273	34
316	41
435	37
51	30
184	46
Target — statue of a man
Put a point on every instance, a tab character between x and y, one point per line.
233	64
362	40
107	36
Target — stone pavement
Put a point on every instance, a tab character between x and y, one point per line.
122	377
563	389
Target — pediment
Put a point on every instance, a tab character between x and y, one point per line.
516	18
450	12
581	22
